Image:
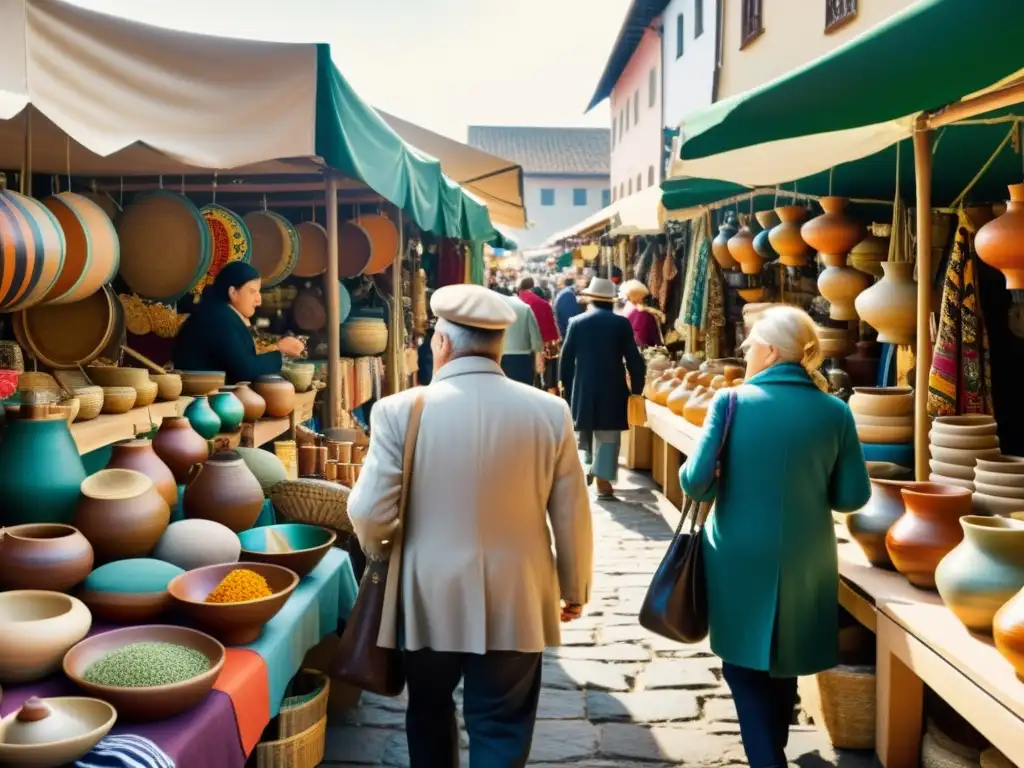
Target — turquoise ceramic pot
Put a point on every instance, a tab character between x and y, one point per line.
40	472
228	408
202	417
984	571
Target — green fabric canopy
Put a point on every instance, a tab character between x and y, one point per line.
922	58
356	141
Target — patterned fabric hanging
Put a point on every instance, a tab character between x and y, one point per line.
960	380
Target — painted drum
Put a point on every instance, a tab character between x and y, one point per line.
312	250
93	249
32	251
355	249
384	242
275	246
230	240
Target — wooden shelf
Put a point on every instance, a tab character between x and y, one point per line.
106	429
674	430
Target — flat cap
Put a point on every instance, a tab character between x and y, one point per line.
473	306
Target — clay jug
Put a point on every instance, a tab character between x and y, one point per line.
928	530
229	409
869	253
179	446
254	405
890	305
40	471
1000	243
785	238
833	233
720	245
139	455
696	408
984	571
279	394
1008	632
225	491
741	248
762	243
869	525
121	513
202	417
841	286
862	365
43	556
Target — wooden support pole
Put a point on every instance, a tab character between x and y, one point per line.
397	332
923	175
333	308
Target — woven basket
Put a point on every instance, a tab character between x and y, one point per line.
306	750
118	399
11	358
145	394
940	751
307	704
846	695
317	502
168	385
39	381
364	336
72	379
90	402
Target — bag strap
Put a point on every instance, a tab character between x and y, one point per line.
408	455
692	508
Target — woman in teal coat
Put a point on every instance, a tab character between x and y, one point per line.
791	457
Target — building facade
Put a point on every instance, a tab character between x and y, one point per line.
689	57
566	173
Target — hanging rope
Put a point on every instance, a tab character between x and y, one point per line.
1010	135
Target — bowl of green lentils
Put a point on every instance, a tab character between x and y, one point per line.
148	672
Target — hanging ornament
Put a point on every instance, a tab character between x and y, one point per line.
741	248
890	305
785	238
833	233
763	246
720	245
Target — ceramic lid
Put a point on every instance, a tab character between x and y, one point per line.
39	723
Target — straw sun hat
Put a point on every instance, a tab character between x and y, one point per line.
600	289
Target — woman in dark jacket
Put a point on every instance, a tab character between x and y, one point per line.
217	335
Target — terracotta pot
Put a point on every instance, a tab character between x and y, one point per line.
1008	632
254	405
999	243
833	233
841	286
868	526
202	417
39	628
139	455
984	571
720	245
869	253
890	305
786	239
278	393
741	248
762	244
43	556
180	447
121	513
862	365
40	471
229	409
928	530
224	490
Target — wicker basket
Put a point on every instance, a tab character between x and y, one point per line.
145	394
90	402
364	336
109	376
11	358
842	701
940	751
307	704
168	385
306	750
43	382
118	399
317	502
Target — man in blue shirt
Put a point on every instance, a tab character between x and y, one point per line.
566	306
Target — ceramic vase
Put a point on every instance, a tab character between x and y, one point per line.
1000	243
868	526
862	365
982	572
254	405
890	305
741	248
39	627
180	447
785	238
229	409
869	254
762	243
224	490
834	233
720	245
927	531
121	513
43	556
1008	632
139	455
40	472
278	393
202	417
841	286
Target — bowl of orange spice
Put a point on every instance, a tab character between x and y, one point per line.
230	602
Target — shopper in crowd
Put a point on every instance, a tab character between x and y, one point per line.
481	591
217	336
646	320
545	317
598	351
791	457
566	306
524	345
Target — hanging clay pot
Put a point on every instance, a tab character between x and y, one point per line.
254	405
224	490
763	246
984	571
869	525
786	239
202	417
139	455
833	233
1008	632
869	253
720	245
741	248
928	530
890	305
1000	243
179	446
841	286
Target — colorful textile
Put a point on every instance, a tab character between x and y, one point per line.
544	313
125	752
960	380
599	452
244	679
696	303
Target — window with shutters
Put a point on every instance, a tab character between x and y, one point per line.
579	197
680	29
698	18
752	22
838	13
547	196
606	198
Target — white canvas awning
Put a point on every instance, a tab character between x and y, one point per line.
634	215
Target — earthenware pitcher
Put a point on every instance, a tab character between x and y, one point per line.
869	525
278	393
254	405
179	446
224	490
40	472
928	530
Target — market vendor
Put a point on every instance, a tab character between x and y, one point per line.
646	321
217	335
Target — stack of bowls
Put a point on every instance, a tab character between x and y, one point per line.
956	444
835	342
999	485
884	418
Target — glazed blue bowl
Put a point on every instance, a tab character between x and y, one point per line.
296	546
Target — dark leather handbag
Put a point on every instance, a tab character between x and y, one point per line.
358	659
676	604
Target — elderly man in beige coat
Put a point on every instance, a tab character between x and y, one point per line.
496	481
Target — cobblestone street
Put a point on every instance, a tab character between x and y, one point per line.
614	694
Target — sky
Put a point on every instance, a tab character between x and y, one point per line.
442	64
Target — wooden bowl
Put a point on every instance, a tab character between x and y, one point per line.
109	376
295	546
95	716
168	385
232	623
145	394
155	702
118	399
882	401
201	382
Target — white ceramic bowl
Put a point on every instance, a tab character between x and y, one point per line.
965	425
95	716
967	458
1013	465
963	442
882	401
994	505
38	629
952	470
1000	479
1000	491
937	478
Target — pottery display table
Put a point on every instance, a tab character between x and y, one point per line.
672	439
